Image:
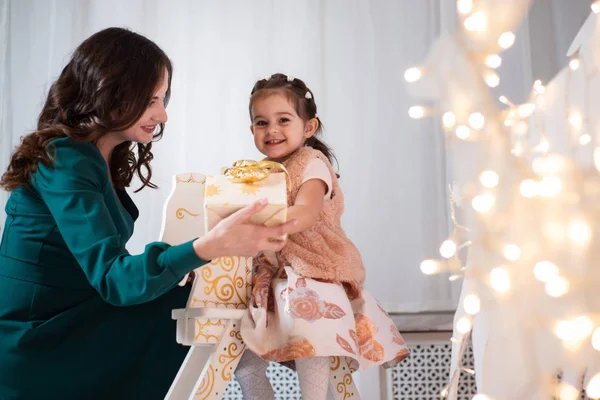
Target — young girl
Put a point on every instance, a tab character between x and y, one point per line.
308	300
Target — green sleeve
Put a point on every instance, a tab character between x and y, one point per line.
72	188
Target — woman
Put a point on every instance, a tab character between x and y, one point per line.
81	318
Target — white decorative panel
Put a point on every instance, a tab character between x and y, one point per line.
283	380
424	374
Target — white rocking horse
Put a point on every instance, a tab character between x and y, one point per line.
210	322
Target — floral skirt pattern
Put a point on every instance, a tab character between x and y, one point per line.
291	317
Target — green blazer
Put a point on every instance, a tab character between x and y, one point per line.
80	317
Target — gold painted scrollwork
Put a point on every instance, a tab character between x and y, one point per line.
180	213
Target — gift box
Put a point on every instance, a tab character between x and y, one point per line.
243	184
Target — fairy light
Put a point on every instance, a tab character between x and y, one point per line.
585	139
528	188
512	252
567	392
492	79
574	64
472	304
596	339
557	286
464	325
592	390
412	74
493	61
579	232
550	186
544	146
545	271
597	158
449	119
476	120
464	6
549	165
538	87
506	40
499	280
476	22
430	267
525	110
483	203
596	7
521	128
489	179
576	120
416	112
448	249
463	132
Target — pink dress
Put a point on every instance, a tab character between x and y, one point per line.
291	317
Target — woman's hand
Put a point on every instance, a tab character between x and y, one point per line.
235	236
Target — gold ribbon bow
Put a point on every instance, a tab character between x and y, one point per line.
250	171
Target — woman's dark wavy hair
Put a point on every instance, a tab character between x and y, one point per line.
106	87
296	92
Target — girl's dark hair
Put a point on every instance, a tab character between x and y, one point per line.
106	87
296	92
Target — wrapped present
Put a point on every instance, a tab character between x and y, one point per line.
243	184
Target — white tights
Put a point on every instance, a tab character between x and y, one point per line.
313	375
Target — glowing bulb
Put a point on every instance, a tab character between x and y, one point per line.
512	252
557	286
584	327
499	280
596	339
525	110
463	325
471	304
544	271
568	392
476	120
416	112
504	100
464	6
528	188
448	249
449	119
596	7
430	267
489	179
521	128
476	22
585	139
593	387
538	87
517	150
493	61
579	232
412	74
575	120
492	79
550	186
506	40
483	203
544	146
597	158
574	64
554	230
549	165
463	132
